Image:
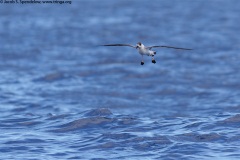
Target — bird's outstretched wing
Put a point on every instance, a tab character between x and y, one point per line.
129	45
168	47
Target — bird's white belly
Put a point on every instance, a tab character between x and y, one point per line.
146	52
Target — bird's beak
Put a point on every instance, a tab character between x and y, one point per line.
137	47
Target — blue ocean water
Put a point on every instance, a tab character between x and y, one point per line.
65	97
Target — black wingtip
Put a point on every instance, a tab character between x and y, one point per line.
184	49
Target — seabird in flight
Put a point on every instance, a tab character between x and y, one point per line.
143	50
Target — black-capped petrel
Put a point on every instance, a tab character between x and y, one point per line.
143	50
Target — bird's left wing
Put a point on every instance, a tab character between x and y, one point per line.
129	45
168	47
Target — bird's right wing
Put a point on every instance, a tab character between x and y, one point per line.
168	47
129	45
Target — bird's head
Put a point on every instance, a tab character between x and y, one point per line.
139	45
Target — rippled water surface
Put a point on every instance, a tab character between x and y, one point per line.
65	97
